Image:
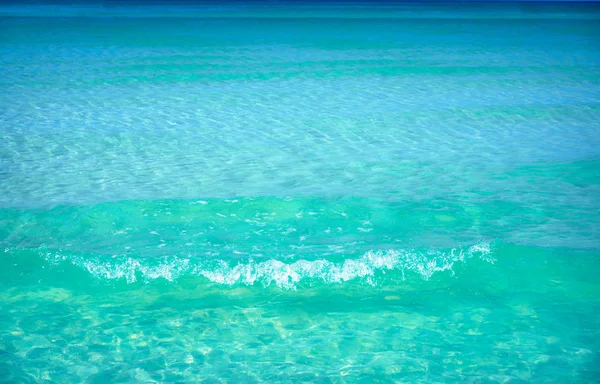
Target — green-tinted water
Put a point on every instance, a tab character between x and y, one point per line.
300	193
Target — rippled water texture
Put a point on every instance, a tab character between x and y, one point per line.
330	193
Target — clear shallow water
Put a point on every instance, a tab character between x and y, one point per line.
243	193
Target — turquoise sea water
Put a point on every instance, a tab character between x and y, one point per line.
327	193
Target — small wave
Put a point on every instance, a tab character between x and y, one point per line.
281	274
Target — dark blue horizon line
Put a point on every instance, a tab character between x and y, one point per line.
311	2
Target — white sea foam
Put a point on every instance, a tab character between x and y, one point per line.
281	274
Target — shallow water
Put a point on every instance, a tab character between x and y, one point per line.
319	193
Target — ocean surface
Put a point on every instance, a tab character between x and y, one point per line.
295	192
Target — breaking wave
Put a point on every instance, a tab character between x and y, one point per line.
285	275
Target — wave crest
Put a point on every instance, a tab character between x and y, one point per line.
285	275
